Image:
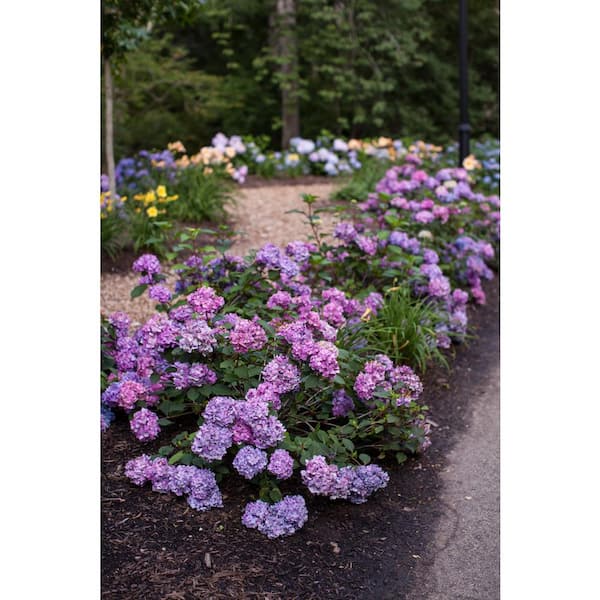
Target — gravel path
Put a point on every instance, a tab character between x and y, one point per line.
259	216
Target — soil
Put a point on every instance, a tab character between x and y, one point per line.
155	547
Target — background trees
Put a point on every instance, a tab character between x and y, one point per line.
289	67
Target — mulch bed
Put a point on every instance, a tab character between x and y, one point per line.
155	547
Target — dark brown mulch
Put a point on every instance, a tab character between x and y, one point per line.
155	547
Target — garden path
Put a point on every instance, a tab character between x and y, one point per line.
260	215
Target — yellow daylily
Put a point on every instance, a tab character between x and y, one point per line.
161	191
152	211
150	197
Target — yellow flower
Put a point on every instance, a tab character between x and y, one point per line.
293	157
230	152
183	162
382	142
172	198
152	211
354	144
150	197
161	191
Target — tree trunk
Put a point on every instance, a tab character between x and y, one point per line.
287	50
108	127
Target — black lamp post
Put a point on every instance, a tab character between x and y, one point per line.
464	128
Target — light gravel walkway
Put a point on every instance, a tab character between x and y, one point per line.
260	215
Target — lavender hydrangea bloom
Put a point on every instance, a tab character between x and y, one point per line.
439	287
148	265
204	491
144	425
181	478
269	256
281	374
197	336
160	293
345	231
280	519
212	442
254	514
106	418
266	392
281	464
247	335
279	299
323	359
139	470
160	475
366	244
205	302
250	461
129	393
430	256
365	480
220	411
342	404
120	321
323	479
157	333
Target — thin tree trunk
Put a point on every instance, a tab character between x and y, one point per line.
288	53
108	127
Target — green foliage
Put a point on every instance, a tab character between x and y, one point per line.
201	197
362	181
160	97
404	329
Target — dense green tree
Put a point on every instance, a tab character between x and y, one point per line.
354	67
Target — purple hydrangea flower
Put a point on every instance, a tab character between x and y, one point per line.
250	461
106	418
120	321
323	479
212	442
365	480
205	302
148	265
281	374
204	491
139	469
247	335
266	392
439	287
197	336
323	359
342	404
345	231
144	425
129	393
280	519
281	464
160	293
220	411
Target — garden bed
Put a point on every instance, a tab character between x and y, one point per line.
155	546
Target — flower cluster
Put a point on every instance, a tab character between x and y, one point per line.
199	485
401	382
354	484
276	520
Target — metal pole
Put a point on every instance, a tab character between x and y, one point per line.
464	128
